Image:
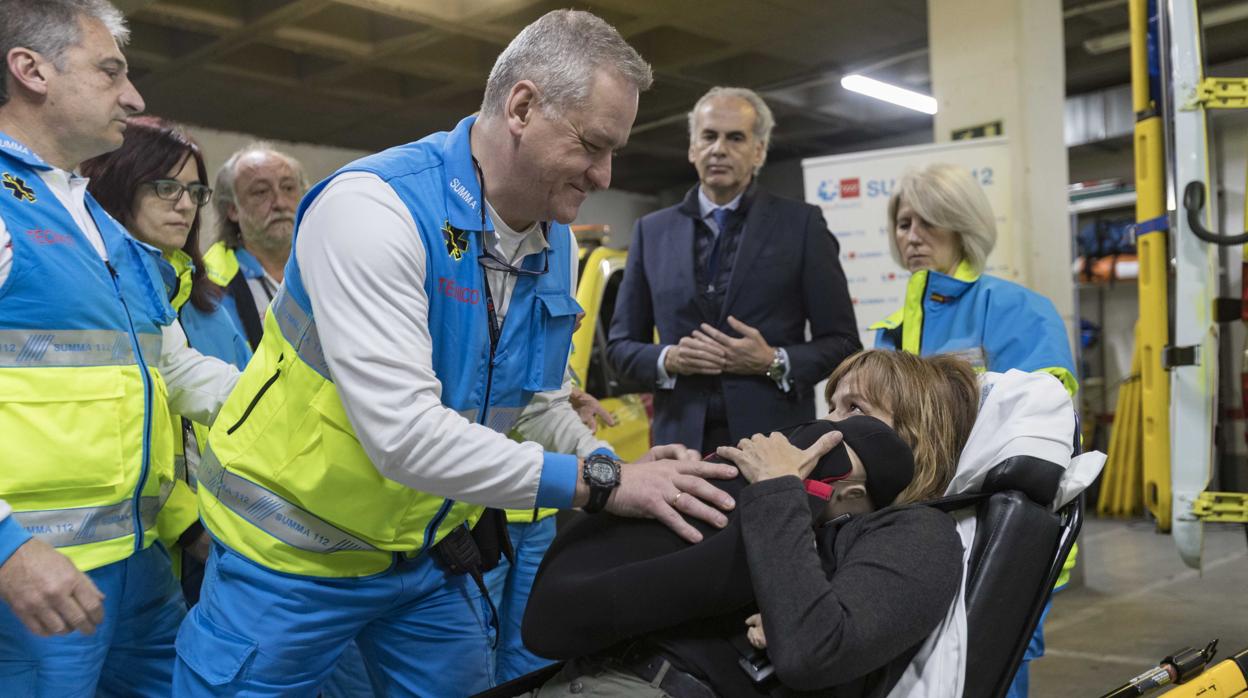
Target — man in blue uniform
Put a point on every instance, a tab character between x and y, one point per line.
428	300
90	366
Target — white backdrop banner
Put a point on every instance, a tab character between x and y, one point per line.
853	191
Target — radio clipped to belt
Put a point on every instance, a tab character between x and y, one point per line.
477	551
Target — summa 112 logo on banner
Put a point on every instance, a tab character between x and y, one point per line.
845	188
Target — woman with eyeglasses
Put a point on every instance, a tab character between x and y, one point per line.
154	185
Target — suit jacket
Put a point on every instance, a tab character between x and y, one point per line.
787	271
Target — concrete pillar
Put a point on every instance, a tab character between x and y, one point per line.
1005	60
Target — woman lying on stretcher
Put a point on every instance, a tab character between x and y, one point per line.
828	545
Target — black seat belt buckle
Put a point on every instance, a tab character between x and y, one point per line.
757	665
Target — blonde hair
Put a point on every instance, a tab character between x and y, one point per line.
934	401
946	196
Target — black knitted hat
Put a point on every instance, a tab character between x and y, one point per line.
889	461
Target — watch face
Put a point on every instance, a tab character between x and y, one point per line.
600	472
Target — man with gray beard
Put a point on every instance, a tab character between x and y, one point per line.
257	193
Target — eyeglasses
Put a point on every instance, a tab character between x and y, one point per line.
171	190
486	259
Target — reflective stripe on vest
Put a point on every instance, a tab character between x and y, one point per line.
298	329
179	468
500	419
182	473
62	528
974	356
186	461
53	348
272	514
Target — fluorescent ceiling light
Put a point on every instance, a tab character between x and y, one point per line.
889	93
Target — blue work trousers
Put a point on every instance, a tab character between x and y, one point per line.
351	678
509	585
130	654
258	632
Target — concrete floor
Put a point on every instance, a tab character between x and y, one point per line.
1139	603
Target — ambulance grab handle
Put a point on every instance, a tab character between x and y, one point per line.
1194	204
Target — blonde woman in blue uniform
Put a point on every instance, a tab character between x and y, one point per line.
943	231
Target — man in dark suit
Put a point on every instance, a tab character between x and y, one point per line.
730	277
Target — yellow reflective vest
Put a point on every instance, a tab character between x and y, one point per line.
220	264
87	462
285	481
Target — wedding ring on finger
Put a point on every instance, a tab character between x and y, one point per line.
677	499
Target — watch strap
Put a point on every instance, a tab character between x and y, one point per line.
598	497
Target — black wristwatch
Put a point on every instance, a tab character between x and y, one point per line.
602	474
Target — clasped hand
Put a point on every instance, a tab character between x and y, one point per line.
709	351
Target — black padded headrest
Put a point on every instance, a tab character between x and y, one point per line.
1034	477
